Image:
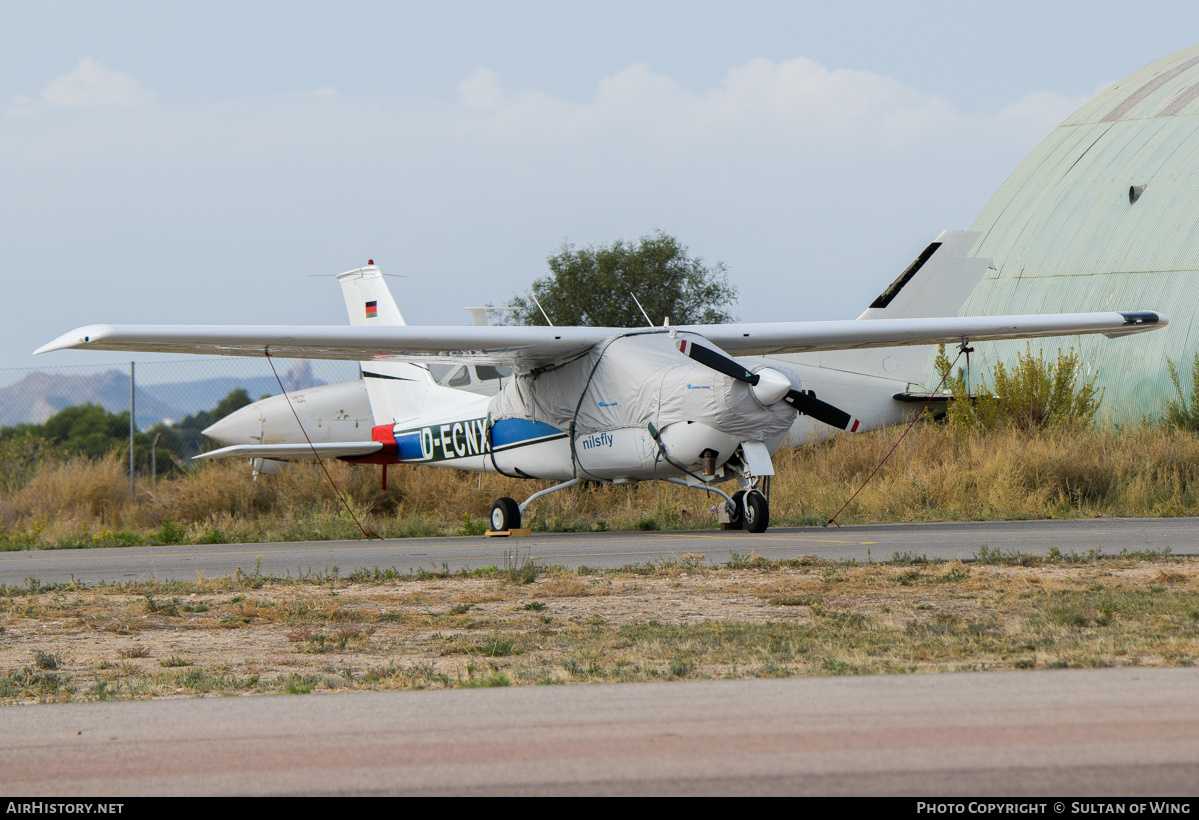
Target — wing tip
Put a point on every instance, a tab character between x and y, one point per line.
78	338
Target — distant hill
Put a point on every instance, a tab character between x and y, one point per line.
40	395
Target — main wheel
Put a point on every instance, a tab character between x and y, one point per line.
757	512
505	515
737	516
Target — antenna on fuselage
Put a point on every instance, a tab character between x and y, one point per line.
539	307
648	323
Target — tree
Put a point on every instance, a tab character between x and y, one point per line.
592	286
191	441
90	430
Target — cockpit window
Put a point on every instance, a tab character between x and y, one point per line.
460	379
486	372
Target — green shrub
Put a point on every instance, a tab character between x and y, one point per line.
1184	413
1032	395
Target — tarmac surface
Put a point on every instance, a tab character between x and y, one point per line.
604	550
1118	732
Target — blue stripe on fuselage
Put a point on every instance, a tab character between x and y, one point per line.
514	431
409	448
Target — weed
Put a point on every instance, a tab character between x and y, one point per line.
297	685
460	609
1183	412
497	646
471	527
174	661
495	679
1033	395
534	606
519	570
350	632
806	599
136	651
1069	613
832	666
46	660
170	608
171	533
911	559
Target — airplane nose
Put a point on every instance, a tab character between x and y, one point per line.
771	387
242	426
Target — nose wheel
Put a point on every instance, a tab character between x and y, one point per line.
756	511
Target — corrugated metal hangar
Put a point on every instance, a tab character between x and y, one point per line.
1104	214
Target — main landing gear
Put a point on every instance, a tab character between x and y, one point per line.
505	513
746	508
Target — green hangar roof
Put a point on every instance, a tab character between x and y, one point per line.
1104	215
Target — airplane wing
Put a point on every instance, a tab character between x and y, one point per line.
525	348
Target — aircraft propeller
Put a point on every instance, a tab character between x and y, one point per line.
770	386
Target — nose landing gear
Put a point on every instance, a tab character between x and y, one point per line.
757	511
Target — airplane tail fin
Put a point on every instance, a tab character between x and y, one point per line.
368	299
937	283
397	390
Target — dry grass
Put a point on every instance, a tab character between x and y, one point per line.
221	637
944	474
79	489
937	474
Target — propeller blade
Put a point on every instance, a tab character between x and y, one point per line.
822	411
721	364
808	405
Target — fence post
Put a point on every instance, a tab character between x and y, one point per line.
132	407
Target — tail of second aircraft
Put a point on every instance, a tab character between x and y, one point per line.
937	283
397	390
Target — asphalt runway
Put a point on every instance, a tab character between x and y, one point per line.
1119	732
603	550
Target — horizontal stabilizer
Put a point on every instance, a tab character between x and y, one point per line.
296	451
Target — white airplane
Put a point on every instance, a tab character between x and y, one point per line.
616	405
876	385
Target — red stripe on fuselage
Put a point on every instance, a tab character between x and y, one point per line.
384	434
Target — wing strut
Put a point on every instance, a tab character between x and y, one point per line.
365	533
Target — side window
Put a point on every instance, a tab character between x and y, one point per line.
486	372
461	378
439	372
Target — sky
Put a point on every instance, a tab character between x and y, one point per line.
175	163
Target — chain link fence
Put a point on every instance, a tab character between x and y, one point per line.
172	399
165	391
